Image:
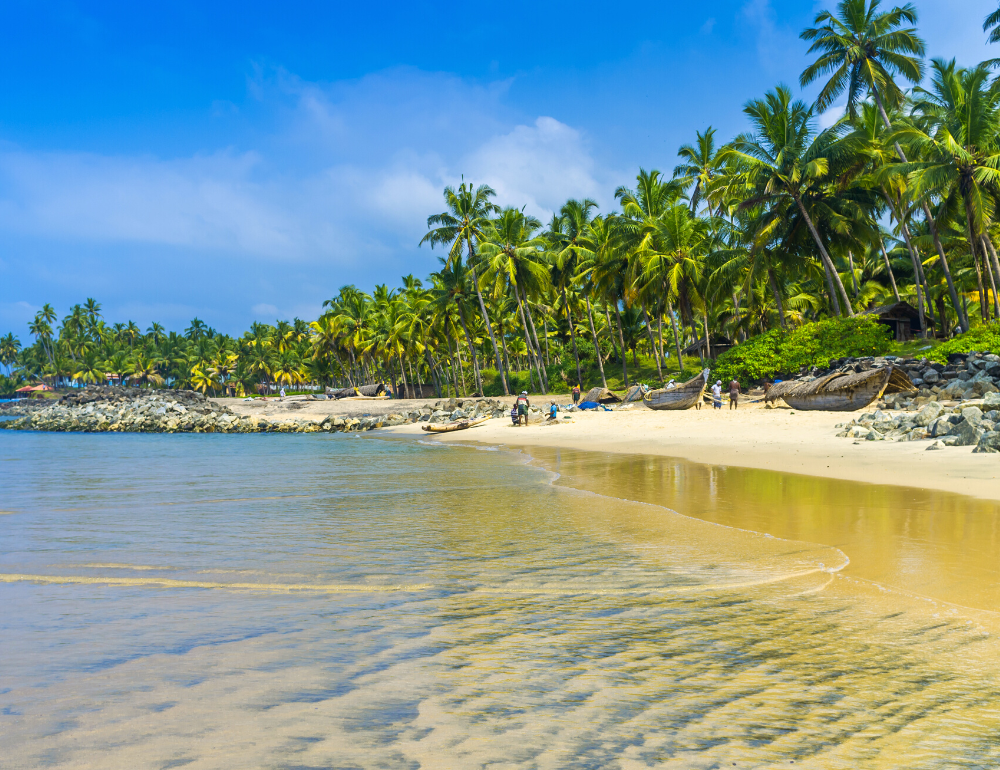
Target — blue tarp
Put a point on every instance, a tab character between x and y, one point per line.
592	405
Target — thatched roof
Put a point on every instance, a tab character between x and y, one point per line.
601	396
372	390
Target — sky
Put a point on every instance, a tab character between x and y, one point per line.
241	162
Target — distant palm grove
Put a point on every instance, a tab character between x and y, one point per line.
784	225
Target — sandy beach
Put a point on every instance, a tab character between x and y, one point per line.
778	439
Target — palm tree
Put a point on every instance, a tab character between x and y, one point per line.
196	330
779	159
462	225
959	152
700	165
863	49
9	347
515	260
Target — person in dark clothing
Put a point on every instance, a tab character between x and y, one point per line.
523	405
576	394
734	394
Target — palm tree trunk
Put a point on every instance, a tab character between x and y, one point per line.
984	311
993	283
892	277
773	281
832	274
621	339
402	375
963	321
538	346
532	353
486	319
472	348
923	297
597	344
708	337
461	366
607	318
677	336
854	277
652	342
572	335
996	267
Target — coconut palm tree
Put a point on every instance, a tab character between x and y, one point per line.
700	164
468	213
9	348
863	50
779	158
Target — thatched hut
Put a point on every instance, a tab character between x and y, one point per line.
901	317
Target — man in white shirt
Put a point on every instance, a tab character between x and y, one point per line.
717	394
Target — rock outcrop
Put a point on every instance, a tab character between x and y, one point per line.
134	410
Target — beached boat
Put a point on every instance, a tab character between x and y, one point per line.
447	427
841	391
600	395
684	396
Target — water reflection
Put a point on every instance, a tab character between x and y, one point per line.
183	613
932	543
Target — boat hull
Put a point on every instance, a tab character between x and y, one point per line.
448	427
682	397
841	392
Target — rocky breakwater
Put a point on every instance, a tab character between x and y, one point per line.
972	423
134	410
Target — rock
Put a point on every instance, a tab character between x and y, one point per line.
989	443
973	414
935	445
928	414
991	400
940	427
930	376
966	433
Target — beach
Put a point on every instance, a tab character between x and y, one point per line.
779	439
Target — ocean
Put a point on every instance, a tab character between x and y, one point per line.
339	601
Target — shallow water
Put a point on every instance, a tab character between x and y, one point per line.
305	601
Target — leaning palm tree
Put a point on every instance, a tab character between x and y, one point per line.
700	163
461	226
863	50
779	158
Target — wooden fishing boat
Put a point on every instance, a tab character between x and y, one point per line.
448	427
684	396
841	391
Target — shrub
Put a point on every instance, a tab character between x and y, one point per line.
814	344
984	338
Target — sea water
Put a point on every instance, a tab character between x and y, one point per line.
317	601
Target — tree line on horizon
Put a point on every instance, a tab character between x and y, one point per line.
783	225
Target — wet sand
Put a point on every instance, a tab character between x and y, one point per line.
780	439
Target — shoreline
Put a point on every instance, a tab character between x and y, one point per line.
779	439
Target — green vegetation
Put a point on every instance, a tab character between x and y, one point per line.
985	337
782	235
778	353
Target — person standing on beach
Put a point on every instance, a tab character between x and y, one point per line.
734	394
717	394
282	391
522	408
576	394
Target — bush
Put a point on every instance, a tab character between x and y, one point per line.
814	344
984	338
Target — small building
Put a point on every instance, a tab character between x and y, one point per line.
720	344
901	317
32	391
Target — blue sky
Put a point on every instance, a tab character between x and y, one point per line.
242	161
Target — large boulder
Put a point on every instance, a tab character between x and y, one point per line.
966	433
931	376
988	444
991	400
928	414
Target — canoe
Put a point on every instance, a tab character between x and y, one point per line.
448	427
684	396
841	391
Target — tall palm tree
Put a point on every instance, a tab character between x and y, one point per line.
780	158
461	226
863	49
700	163
958	155
514	259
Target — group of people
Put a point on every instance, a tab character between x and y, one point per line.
519	412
